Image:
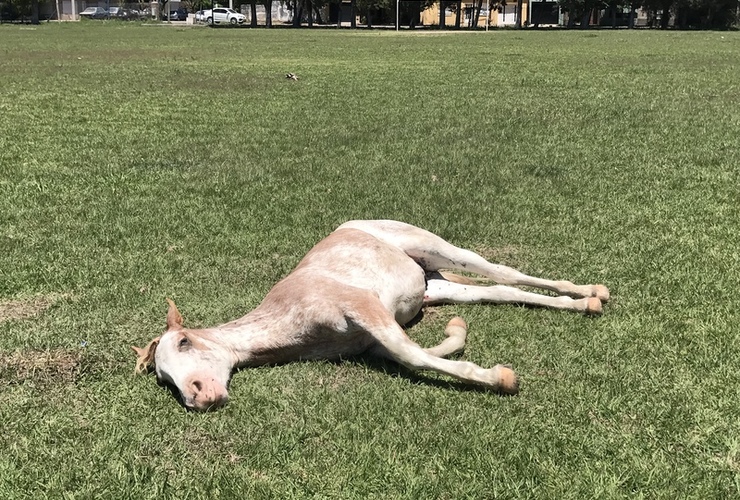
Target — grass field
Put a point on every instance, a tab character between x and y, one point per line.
140	162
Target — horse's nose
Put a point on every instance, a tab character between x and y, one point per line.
206	396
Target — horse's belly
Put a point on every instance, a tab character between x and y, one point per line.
358	259
403	294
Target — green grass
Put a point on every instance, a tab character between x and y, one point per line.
141	162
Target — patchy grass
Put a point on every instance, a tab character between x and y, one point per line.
139	163
24	308
45	367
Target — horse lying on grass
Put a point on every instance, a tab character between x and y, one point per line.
349	295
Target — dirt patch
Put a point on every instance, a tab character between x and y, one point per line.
44	367
25	308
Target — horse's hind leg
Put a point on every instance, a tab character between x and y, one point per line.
434	253
441	291
443	255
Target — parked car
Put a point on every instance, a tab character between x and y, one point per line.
180	14
199	18
115	12
224	15
94	13
131	14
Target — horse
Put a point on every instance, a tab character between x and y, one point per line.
351	294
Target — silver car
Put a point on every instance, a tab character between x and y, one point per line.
223	15
94	13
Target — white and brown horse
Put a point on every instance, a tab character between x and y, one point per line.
349	295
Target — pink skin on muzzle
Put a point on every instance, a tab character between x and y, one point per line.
202	393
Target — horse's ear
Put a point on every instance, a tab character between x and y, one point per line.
174	319
145	357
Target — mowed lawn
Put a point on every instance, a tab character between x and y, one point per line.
143	162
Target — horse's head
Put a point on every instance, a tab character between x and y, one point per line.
190	360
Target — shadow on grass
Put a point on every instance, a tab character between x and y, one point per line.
395	370
377	363
388	367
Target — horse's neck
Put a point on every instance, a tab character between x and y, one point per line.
257	339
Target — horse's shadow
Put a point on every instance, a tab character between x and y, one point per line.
380	364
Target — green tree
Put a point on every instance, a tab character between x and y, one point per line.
371	9
706	14
24	10
580	10
310	10
659	10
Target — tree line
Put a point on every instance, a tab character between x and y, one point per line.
684	14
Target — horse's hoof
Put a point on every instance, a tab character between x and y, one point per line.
601	292
593	306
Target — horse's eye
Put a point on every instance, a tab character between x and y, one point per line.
184	342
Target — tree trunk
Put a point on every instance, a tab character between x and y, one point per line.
631	22
253	12
458	13
369	17
35	12
709	20
585	18
681	18
519	13
477	6
665	17
571	20
268	14
309	10
297	13
614	16
441	14
353	14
